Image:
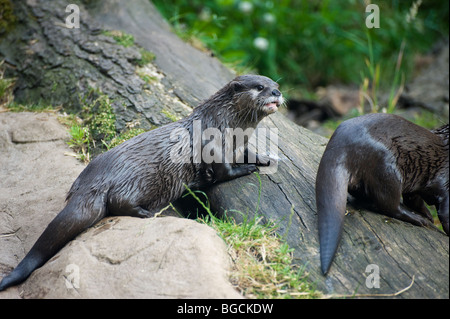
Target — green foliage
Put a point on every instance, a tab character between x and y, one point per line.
96	126
102	122
309	43
80	141
371	79
92	129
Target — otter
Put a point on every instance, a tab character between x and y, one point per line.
381	158
142	175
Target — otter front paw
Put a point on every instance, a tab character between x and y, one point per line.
251	168
263	160
244	169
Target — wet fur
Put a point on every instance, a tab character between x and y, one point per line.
383	159
138	177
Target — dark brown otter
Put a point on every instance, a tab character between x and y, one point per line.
145	173
381	158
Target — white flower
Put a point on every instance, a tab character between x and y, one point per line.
205	14
411	15
261	43
246	6
269	18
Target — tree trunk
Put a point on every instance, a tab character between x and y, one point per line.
59	66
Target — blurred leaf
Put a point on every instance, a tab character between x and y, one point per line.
311	43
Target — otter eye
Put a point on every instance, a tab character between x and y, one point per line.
260	87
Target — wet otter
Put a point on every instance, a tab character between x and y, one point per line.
381	158
144	174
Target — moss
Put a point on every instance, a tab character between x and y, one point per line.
147	78
122	38
102	120
146	57
124	136
95	131
127	40
7	17
170	115
6	85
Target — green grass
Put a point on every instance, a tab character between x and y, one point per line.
79	142
35	107
262	260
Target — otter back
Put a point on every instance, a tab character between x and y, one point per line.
388	161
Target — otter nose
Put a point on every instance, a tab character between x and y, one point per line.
275	92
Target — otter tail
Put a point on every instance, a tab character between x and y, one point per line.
71	221
331	198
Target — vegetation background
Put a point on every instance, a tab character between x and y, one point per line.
306	44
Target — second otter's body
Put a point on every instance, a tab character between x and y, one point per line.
381	158
142	175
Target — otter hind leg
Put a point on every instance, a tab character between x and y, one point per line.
443	212
391	207
404	214
137	211
133	211
417	204
387	196
125	208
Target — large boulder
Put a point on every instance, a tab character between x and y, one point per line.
125	257
35	175
118	258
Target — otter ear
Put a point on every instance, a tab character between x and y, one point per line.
236	86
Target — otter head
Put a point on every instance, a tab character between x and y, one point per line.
258	95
